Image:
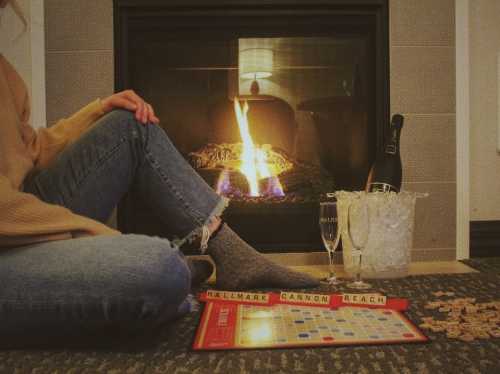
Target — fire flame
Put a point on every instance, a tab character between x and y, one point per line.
253	159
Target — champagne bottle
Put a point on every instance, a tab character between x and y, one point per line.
386	173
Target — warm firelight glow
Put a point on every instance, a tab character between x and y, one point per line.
253	160
260	332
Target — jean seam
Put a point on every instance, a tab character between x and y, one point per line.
196	216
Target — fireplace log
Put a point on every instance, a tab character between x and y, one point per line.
238	181
301	181
294	179
227	156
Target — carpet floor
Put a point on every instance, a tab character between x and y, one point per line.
170	352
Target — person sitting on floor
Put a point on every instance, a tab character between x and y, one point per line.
61	268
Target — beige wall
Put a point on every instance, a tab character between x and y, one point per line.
80	67
485	159
79	43
15	42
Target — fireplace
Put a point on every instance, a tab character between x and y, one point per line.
272	102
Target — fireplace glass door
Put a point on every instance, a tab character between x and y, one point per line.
271	112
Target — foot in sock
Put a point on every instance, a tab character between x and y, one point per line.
239	266
201	270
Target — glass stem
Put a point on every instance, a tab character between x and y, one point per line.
358	275
330	263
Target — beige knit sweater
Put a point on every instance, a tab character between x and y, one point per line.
24	218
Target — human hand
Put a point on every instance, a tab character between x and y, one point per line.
129	100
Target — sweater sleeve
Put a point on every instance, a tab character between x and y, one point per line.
26	219
47	143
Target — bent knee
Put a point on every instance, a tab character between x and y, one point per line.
120	115
124	123
121	122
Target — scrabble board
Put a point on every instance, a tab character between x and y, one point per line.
237	321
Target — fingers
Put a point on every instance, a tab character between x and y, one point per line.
129	100
151	115
133	96
144	112
140	114
140	111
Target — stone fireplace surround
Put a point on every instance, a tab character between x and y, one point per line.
422	88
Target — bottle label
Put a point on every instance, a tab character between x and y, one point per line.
382	187
328	220
390	149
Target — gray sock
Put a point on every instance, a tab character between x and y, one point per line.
239	266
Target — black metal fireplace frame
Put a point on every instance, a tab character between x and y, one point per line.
152	15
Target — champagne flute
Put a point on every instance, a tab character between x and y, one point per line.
328	223
358	229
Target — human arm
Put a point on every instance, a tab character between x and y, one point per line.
129	100
46	143
43	144
49	142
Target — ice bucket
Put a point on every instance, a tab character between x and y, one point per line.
387	253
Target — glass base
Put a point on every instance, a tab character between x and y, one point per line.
332	280
359	285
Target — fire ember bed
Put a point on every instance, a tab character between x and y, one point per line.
301	182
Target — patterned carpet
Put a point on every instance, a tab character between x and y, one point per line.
171	353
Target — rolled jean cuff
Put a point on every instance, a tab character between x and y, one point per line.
202	232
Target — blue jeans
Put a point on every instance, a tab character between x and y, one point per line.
125	283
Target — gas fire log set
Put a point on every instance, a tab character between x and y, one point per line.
218	164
